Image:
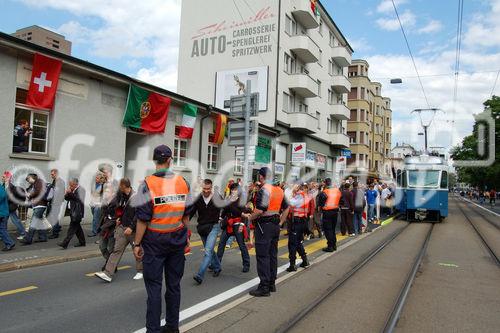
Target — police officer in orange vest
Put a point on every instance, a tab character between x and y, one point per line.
270	213
161	236
299	206
328	203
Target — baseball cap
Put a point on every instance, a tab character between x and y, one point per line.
162	152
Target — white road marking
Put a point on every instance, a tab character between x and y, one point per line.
220	298
486	209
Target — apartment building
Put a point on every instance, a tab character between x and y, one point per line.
43	37
369	125
296	58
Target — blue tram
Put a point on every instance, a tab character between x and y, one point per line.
422	188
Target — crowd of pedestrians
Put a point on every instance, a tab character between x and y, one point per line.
481	196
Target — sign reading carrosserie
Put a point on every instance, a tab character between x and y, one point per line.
241	38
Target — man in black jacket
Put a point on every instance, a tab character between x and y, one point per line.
75	195
208	206
121	210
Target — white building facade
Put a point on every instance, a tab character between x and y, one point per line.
295	58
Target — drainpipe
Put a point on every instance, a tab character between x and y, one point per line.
209	110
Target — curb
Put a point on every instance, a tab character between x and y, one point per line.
12	266
48	261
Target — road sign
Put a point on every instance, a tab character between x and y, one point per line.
346	153
237	105
298	152
236	133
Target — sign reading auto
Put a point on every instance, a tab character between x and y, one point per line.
248	37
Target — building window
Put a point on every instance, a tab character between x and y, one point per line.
180	152
362	115
376	147
321	27
330	96
332	39
319	88
352	137
31	131
288	25
238	164
318	116
320	60
286	102
213	157
353	94
363	95
330	67
354	115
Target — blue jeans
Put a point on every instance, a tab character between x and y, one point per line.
96	218
357	221
371	212
210	258
17	222
4	235
224	238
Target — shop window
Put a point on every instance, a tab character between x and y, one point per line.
238	163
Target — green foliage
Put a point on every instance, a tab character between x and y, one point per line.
480	176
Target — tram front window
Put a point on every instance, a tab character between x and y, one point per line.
420	178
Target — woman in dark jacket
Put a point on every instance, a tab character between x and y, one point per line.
233	225
35	195
346	211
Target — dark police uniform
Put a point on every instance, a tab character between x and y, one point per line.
163	196
270	199
328	201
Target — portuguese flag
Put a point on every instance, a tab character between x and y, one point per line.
188	121
146	111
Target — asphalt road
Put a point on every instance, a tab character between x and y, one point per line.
64	299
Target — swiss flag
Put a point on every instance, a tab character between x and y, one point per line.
43	84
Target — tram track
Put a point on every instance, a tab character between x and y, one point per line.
481	236
401	297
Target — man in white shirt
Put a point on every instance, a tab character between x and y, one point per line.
385	197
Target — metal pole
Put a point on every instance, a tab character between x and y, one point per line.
425	138
246	162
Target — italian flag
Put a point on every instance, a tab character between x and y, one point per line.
146	111
188	121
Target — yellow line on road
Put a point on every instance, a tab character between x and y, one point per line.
281	243
316	246
15	291
119	268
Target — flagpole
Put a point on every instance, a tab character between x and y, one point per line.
246	163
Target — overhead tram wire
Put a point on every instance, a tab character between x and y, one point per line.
435	75
458	49
495	84
411	54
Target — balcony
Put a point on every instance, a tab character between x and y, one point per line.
339	140
303	14
340	111
304	47
303	85
302	122
341	56
341	84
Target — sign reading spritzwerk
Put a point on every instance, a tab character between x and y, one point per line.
248	37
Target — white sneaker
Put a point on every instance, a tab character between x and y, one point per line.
138	276
103	276
20	237
352	235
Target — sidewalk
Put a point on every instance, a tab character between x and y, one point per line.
39	254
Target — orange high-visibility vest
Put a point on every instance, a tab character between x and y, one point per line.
276	196
169	202
332	198
302	210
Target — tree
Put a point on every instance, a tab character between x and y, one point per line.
483	177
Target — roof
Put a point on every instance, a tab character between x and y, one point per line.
39	27
335	25
28	47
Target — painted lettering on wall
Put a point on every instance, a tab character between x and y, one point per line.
248	37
